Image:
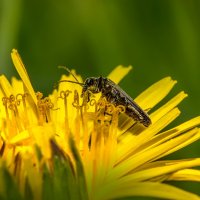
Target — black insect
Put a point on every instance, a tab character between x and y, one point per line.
115	95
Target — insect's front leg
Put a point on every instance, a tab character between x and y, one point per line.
86	96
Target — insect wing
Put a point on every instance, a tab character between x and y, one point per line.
124	94
129	102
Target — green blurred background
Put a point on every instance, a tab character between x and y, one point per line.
158	38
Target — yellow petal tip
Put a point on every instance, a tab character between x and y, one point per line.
119	73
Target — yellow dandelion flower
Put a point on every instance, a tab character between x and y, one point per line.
68	146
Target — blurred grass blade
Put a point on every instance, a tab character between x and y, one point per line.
8	188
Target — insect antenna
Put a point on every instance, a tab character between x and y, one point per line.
68	70
71	82
76	82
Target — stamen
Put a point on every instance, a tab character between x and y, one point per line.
41	112
118	109
44	106
5	103
76	102
110	109
22	97
94	103
13	103
84	118
64	95
49	106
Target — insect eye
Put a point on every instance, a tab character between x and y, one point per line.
90	82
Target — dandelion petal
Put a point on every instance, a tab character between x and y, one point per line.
119	73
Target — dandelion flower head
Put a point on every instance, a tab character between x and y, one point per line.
65	146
